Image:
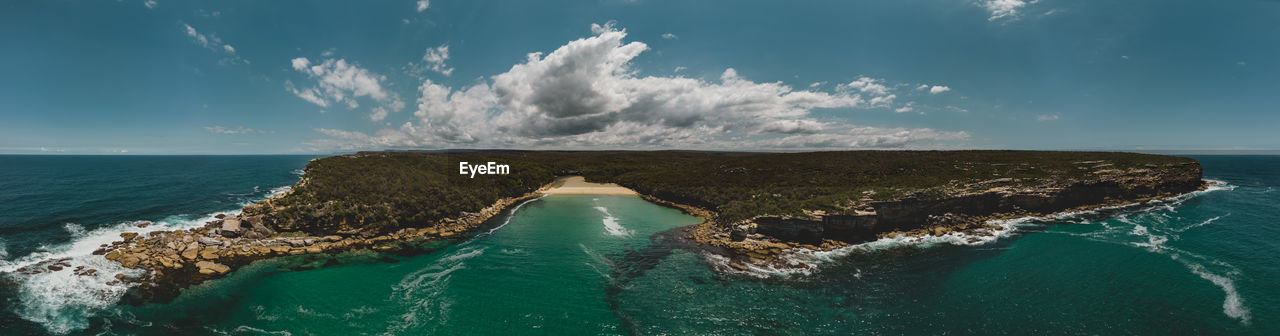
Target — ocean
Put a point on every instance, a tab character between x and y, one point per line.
1203	263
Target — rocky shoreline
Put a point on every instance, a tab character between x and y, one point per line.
172	260
164	262
760	242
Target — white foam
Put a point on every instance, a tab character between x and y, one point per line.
611	225
805	261
1233	306
4	251
1205	222
63	302
511	214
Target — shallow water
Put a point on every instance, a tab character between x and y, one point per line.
576	264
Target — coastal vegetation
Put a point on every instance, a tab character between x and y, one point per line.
383	191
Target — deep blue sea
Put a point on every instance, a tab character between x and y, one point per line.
1203	263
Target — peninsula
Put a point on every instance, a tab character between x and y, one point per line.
756	205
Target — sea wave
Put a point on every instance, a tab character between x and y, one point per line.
62	301
611	225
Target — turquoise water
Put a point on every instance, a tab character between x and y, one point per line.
590	265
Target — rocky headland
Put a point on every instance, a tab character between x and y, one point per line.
757	206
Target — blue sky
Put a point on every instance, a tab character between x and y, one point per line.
244	77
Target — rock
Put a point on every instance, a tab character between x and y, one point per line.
128	236
314	249
297	242
144	224
190	253
55	268
129	261
279	249
231	228
332	238
209	241
309	241
209	253
209	267
119	276
100	251
113	255
220	216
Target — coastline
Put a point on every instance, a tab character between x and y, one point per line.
763	258
164	262
170	261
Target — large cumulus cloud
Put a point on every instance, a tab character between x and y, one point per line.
586	94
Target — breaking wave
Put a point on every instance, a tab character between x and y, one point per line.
611	225
61	300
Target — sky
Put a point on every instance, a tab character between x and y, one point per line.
316	77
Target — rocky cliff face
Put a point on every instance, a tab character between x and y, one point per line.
955	211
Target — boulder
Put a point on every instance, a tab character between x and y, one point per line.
113	255
231	228
209	267
128	236
220	216
144	224
297	242
130	261
209	241
209	253
190	253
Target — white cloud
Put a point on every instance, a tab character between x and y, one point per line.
936	89
585	94
234	130
435	59
679	69
423	4
212	42
817	84
1004	8
150	3
1124	56
910	106
670	36
338	81
1047	117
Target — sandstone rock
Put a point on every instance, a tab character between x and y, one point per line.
209	241
314	249
297	242
209	267
332	238
144	224
190	253
129	261
55	268
128	235
113	255
279	249
119	276
220	216
209	253
231	228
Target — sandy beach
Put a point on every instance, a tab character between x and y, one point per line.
577	185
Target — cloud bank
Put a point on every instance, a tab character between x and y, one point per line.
585	94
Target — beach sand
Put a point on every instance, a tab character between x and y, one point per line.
577	185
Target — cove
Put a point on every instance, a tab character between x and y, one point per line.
545	267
